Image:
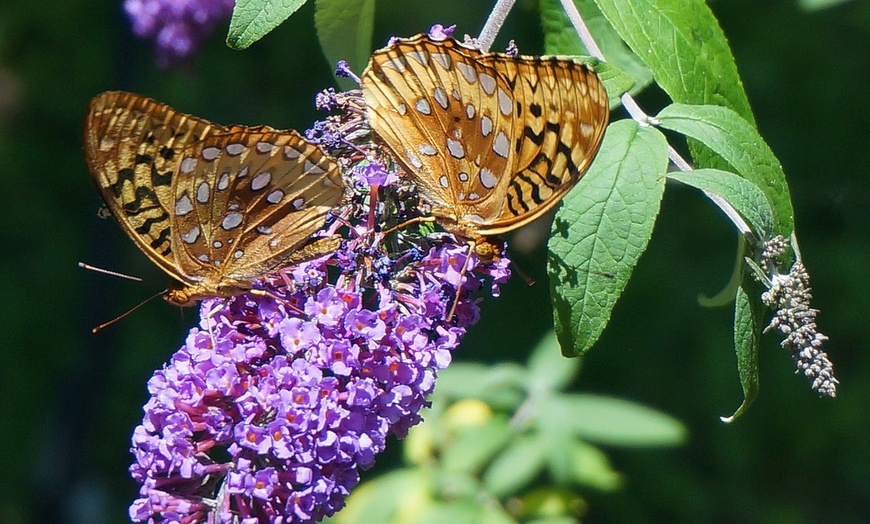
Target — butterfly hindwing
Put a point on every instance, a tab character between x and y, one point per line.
562	112
246	201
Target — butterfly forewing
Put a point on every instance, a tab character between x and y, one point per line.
132	146
492	140
245	202
214	206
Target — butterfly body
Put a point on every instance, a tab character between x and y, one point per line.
492	141
215	207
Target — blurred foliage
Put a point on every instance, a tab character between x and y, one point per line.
503	443
72	398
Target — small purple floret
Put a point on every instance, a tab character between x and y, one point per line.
439	32
177	26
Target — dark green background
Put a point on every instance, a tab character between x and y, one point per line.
71	399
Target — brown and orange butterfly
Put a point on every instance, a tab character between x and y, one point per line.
215	207
492	141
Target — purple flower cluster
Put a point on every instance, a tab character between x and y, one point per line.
177	26
279	396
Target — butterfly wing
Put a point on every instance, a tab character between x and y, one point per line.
512	136
561	112
447	118
245	202
132	147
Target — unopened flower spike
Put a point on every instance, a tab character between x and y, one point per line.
788	295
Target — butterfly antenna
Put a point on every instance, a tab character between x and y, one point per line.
523	275
134	308
108	272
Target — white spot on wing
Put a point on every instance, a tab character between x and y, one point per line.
183	205
485	125
423	107
265	147
187	165
443	181
487	82
191	236
237	254
467	71
243	172
260	181
231	221
442	59
473	196
421	56
414	159
463	176
275	196
396	63
202	193
469	111
236	149
223	181
504	102
487	178
402	109
471	217
217	244
264	230
290	153
310	168
501	146
210	153
427	149
298	204
441	97
455	148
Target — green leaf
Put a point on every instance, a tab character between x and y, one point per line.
747	327
403	491
473	446
548	369
613	421
746	197
591	467
625	71
517	466
501	385
684	47
456	512
739	144
344	29
601	230
253	19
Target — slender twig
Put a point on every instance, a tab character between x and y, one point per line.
640	116
493	23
